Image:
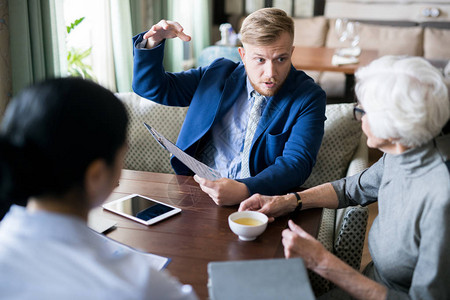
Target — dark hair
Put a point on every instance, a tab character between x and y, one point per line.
52	131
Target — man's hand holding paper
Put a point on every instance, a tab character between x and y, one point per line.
223	191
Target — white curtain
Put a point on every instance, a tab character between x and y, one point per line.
121	30
107	29
197	26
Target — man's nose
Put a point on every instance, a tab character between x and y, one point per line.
269	69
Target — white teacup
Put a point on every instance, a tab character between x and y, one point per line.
247	224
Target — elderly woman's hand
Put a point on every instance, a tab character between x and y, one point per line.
298	243
272	206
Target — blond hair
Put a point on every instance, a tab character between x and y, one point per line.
265	26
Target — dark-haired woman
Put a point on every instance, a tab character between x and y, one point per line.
62	144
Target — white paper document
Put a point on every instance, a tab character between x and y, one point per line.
156	261
196	166
99	223
120	250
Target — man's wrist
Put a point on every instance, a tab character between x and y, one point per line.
298	201
151	44
148	43
142	44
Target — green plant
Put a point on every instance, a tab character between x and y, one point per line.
75	56
74	24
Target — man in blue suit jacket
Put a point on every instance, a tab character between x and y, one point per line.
220	97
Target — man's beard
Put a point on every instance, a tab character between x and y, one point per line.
264	92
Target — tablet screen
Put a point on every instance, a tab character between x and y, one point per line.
141	208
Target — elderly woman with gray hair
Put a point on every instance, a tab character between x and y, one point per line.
403	105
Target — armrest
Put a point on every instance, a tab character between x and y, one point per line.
360	159
351	224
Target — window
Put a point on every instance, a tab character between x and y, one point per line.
99	42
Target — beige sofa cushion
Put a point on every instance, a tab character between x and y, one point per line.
436	43
310	32
333	83
144	153
315	75
388	40
340	141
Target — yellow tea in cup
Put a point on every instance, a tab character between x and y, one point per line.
248	221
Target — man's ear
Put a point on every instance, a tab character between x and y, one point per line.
96	179
241	53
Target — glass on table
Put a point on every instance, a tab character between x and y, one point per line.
353	37
340	26
348	33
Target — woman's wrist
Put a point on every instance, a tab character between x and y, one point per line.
323	262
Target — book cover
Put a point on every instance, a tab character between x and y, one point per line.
259	279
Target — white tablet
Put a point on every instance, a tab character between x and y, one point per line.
141	209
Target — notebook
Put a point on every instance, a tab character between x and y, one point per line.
259	279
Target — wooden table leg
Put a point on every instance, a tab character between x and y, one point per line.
350	88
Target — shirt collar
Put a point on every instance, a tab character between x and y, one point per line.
418	160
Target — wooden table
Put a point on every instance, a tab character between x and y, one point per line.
200	233
319	59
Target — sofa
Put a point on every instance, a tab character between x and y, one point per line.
343	152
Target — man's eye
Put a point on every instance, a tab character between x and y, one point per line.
281	59
260	60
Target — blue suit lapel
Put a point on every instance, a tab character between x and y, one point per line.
231	91
204	118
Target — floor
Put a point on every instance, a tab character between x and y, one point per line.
374	155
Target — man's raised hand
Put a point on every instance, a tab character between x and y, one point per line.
164	30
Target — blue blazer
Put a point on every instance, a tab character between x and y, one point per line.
290	131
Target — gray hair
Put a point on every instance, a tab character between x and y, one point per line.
405	98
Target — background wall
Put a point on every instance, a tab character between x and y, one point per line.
5	61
